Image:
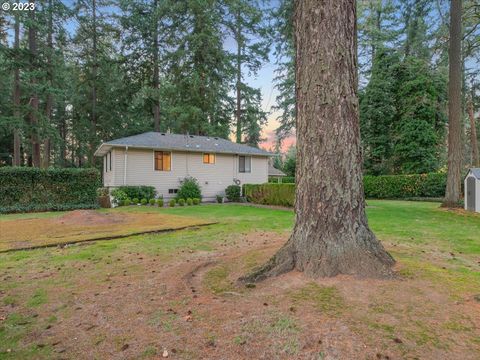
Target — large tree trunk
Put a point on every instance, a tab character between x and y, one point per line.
49	105
16	96
93	124
473	133
32	46
452	193
238	112
156	75
331	234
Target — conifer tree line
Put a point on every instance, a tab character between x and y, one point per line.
403	52
73	74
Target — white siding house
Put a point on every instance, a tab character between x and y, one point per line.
163	160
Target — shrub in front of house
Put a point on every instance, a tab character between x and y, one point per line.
232	193
189	189
219	199
135	201
127	202
172	202
143	201
139	192
32	189
160	202
151	202
196	201
189	201
119	196
181	202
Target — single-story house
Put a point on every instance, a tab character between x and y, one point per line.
275	173
163	160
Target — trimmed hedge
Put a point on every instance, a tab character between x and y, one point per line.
270	194
405	186
376	187
24	189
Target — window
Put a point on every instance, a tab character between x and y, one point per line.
107	160
172	191
162	161
244	164
209	158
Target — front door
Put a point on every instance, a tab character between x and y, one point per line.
471	193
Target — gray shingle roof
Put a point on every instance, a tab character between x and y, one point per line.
273	171
476	172
164	141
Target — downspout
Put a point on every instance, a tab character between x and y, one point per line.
125	166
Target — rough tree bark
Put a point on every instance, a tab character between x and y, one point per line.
93	124
452	193
331	234
32	46
16	96
238	112
473	133
49	104
156	75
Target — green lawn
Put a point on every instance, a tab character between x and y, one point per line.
439	246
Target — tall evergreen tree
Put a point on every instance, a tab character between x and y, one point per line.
378	112
246	22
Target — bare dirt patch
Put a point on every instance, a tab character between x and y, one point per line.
191	307
83	225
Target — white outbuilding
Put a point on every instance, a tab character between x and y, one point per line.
472	190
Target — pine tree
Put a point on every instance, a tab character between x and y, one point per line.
378	111
285	73
246	23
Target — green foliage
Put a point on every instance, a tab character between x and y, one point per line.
172	202
160	202
102	191
378	113
127	202
189	189
219	199
270	194
290	162
232	192
405	186
139	192
189	201
283	180
144	201
196	201
181	202
135	201
151	202
119	196
420	130
32	189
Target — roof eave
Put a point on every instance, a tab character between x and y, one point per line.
111	145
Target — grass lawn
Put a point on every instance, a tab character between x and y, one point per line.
139	296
